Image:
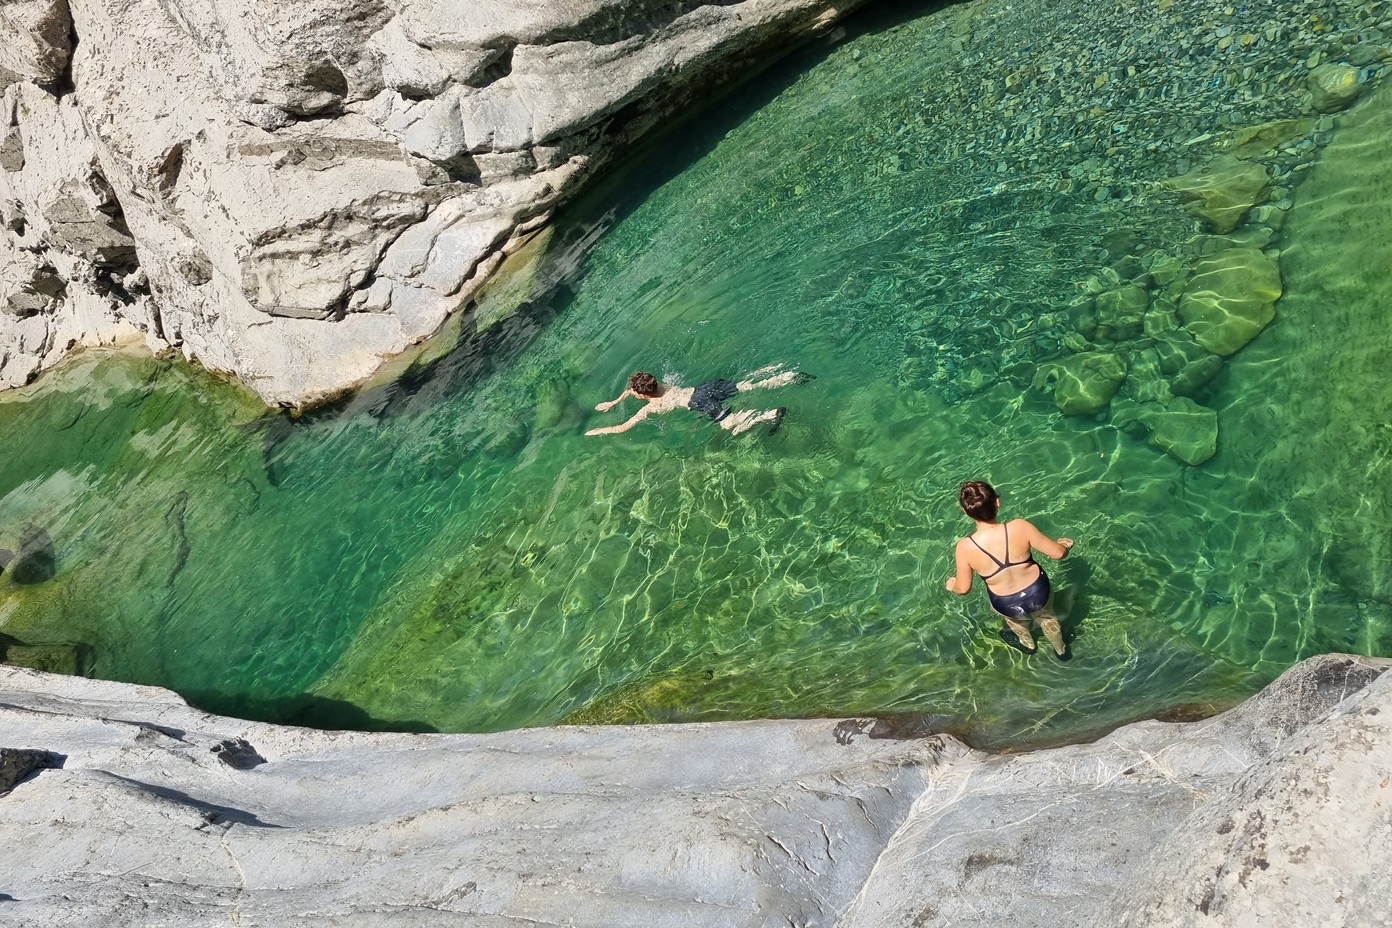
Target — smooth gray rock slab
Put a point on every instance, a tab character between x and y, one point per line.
160	814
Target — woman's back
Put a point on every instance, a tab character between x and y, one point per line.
1002	555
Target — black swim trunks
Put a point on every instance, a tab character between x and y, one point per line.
1029	600
709	398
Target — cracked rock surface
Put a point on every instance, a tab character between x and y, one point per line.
295	192
153	812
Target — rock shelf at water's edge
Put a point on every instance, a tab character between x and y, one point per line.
143	810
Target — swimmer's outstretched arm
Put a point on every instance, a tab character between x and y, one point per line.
639	416
605	407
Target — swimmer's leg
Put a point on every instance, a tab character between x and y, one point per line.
746	419
777	380
768	369
1049	625
1021	630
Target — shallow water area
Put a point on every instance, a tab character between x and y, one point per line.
449	551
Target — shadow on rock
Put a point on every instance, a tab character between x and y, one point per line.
36	560
305	710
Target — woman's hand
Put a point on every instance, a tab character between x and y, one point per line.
1066	544
952	584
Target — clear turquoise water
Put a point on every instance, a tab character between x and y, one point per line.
451	552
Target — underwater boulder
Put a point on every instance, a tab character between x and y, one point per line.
1185	430
1256	141
1230	299
1085	383
554	403
1186	363
1182	428
1160	319
1121	312
1195	376
1145	382
1223	191
1333	87
49	658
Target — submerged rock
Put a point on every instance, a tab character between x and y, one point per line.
1333	87
1230	298
1085	383
1121	312
1184	430
1224	190
50	658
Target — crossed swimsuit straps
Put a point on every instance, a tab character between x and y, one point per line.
1002	565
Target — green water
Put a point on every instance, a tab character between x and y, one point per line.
451	552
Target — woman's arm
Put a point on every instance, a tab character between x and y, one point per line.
961	583
639	416
605	407
1058	550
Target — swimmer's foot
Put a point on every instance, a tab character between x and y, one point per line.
1067	654
776	422
802	377
1012	639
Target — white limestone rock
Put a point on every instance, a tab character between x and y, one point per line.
159	814
65	253
264	159
37	40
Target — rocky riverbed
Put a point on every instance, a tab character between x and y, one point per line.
122	806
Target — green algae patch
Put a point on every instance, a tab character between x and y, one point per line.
1230	298
1224	190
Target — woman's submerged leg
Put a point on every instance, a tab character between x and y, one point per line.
1049	625
1021	630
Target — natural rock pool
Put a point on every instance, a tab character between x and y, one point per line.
976	226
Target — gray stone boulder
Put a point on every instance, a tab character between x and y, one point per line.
1333	87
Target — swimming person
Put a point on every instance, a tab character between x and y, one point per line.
1002	553
707	398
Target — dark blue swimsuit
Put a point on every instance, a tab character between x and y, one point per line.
1016	605
710	397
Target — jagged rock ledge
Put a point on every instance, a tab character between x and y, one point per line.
294	193
127	807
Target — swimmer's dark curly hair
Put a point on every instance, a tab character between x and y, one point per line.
979	500
643	383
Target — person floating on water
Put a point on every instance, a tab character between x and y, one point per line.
707	398
1017	586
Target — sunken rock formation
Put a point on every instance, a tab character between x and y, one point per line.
294	192
145	811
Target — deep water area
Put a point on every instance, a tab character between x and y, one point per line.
1013	242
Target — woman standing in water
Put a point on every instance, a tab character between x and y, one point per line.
1002	553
